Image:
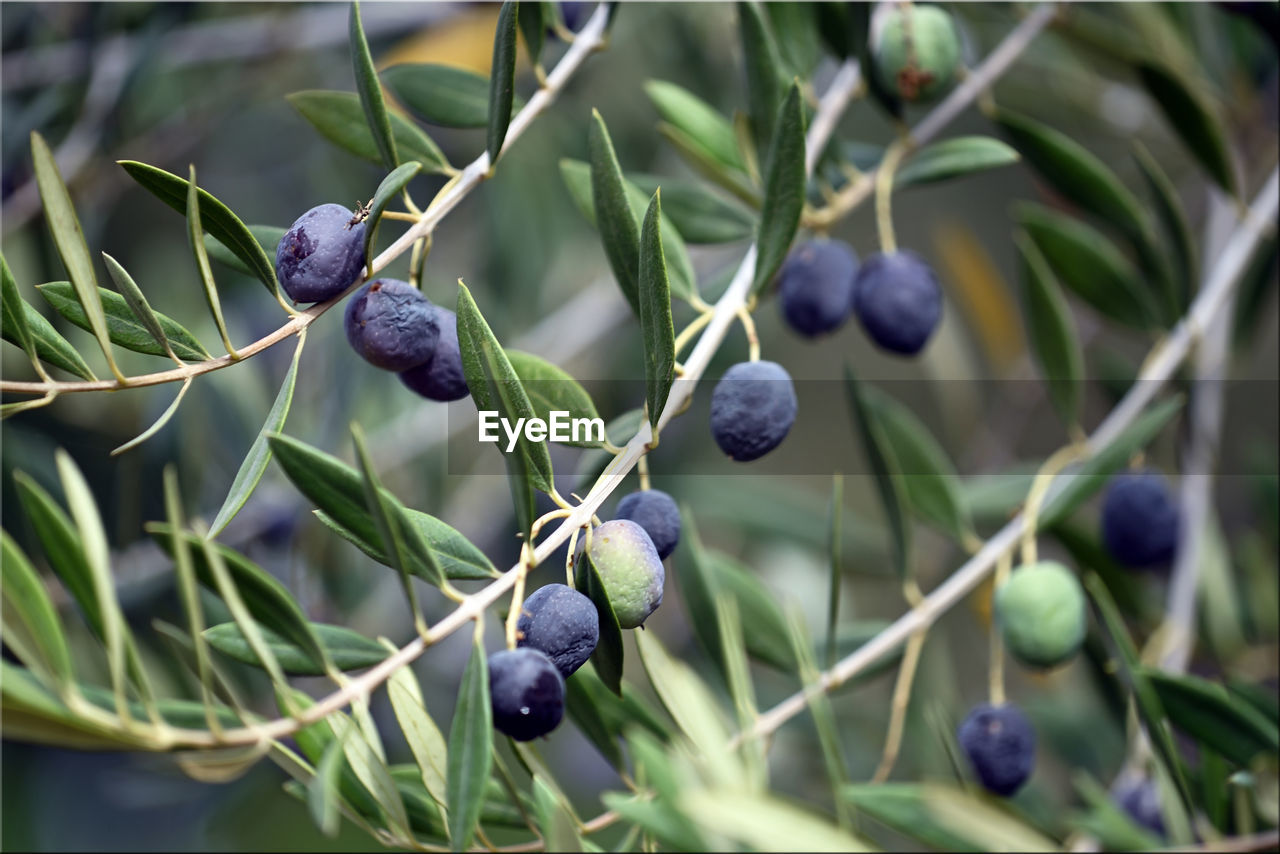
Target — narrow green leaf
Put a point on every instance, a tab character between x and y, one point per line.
699	586
495	386
339	117
699	214
336	489
62	546
1256	283
14	312
1211	715
367	757
1074	171
824	718
584	697
929	478
138	304
577	178
704	164
1107	821
656	327
1173	219
784	182
255	461
470	749
668	820
980	820
195	235
1193	120
267	600
370	90
701	122
1092	475
768	640
123	326
618	227
158	424
390	187
391	530
97	561
348	650
534	21
1052	332
420	732
552	389
607	656
442	94
1089	264
1146	699
766	83
502	80
219	579
953	158
323	790
883	464
50	346
901	807
29	613
796	27
694	709
558	826
835	552
215	217
69	238
741	689
766	823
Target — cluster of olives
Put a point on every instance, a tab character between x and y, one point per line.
388	322
1041	614
558	627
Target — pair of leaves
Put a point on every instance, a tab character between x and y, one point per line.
337	490
604	716
552	389
945	817
1215	717
577	176
639	264
698	214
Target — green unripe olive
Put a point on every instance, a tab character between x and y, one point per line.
1041	614
916	51
630	570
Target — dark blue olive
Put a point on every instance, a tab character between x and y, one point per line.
392	325
752	409
440	378
321	254
526	691
657	513
815	286
1001	746
562	623
898	301
1140	520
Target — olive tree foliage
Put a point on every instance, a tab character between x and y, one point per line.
688	738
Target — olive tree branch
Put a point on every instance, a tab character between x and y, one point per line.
590	39
724	315
1160	365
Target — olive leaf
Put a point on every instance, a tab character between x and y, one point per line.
339	118
656	326
953	158
470	749
607	656
1192	119
698	120
1052	332
784	182
370	90
618	226
502	79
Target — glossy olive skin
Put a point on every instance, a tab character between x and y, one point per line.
321	254
916	52
752	409
526	692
